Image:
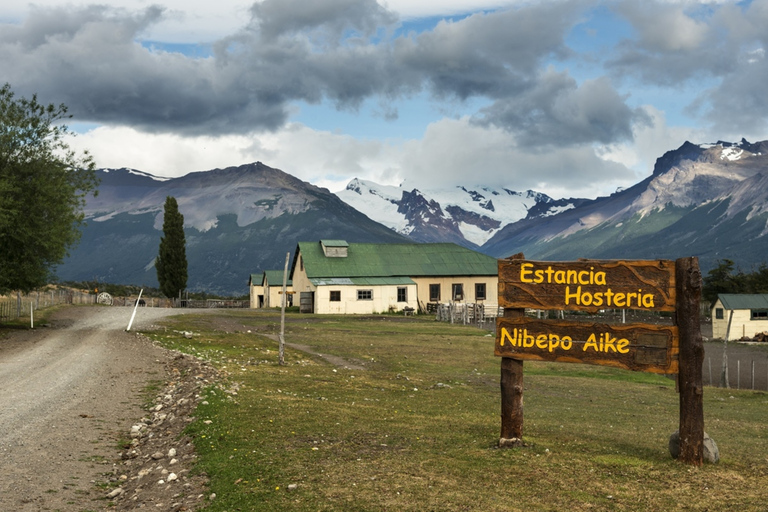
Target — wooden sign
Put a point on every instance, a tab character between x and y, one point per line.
591	285
637	347
588	285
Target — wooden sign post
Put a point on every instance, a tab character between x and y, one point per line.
592	285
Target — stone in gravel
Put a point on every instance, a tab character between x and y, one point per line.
172	477
171	453
130	455
115	493
158	455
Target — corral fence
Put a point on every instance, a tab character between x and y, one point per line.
465	313
155	302
20	305
17	305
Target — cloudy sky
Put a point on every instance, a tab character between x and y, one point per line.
570	98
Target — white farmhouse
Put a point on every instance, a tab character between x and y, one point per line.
336	277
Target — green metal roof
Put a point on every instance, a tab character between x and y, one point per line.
334	243
275	278
360	281
744	301
405	260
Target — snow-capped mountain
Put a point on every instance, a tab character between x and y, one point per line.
468	216
238	221
705	200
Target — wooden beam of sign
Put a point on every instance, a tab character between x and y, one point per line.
638	347
280	292
587	285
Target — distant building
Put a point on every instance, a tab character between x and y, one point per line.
735	316
266	289
336	277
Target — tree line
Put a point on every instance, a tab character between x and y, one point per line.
43	186
726	278
43	189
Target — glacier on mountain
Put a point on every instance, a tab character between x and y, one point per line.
476	212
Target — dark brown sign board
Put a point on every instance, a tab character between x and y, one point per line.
592	285
637	347
588	285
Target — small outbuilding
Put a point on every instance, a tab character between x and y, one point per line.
736	316
266	289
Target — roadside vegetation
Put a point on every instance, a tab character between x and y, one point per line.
409	420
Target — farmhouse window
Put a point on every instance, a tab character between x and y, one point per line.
458	291
364	294
760	314
479	291
434	293
402	294
719	313
335	295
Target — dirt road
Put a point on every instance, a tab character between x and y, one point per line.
68	391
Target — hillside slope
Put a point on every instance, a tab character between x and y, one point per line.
238	221
709	201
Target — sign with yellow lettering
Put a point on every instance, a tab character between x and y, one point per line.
588	285
638	347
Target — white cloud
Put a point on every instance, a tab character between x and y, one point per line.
567	130
451	152
202	21
650	141
321	158
161	154
461	152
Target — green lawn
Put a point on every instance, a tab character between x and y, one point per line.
417	428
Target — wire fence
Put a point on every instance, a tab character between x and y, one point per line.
17	305
739	371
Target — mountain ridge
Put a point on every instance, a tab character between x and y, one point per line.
238	221
706	200
698	201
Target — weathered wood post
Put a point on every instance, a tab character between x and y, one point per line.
512	387
281	339
688	284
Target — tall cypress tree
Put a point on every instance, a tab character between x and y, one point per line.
171	262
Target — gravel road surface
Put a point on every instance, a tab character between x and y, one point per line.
68	391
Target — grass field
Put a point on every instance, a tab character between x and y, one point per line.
414	426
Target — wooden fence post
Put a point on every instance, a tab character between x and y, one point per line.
512	389
688	293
